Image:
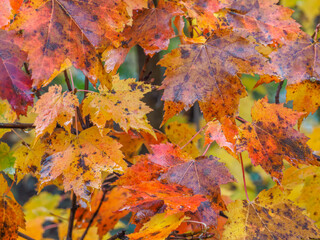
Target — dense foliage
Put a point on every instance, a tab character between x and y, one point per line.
70	119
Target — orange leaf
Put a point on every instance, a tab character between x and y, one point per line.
272	138
11	213
177	198
54	30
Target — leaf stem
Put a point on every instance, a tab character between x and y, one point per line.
207	148
200	130
17	125
72	215
244	179
20	234
277	97
94	215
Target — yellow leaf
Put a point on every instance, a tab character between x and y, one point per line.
54	107
122	104
159	227
269	216
180	134
6	115
82	162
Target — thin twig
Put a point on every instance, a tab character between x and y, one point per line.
72	215
17	125
240	119
201	129
94	215
205	151
22	140
86	88
20	234
244	179
277	97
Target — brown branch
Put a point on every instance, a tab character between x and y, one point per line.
94	215
72	215
26	68
240	119
144	68
277	97
66	78
121	235
17	125
20	234
83	125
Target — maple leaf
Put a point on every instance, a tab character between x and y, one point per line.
208	73
107	216
82	162
7	115
53	30
159	227
15	83
301	186
151	28
7	10
304	97
180	134
143	170
271	138
177	198
203	175
12	216
215	133
170	109
122	104
6	159
168	155
269	216
203	11
266	21
55	107
297	60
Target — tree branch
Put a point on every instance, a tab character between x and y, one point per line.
66	78
20	234
121	235
277	97
72	215
17	125
144	68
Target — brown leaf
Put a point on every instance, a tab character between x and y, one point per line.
203	175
